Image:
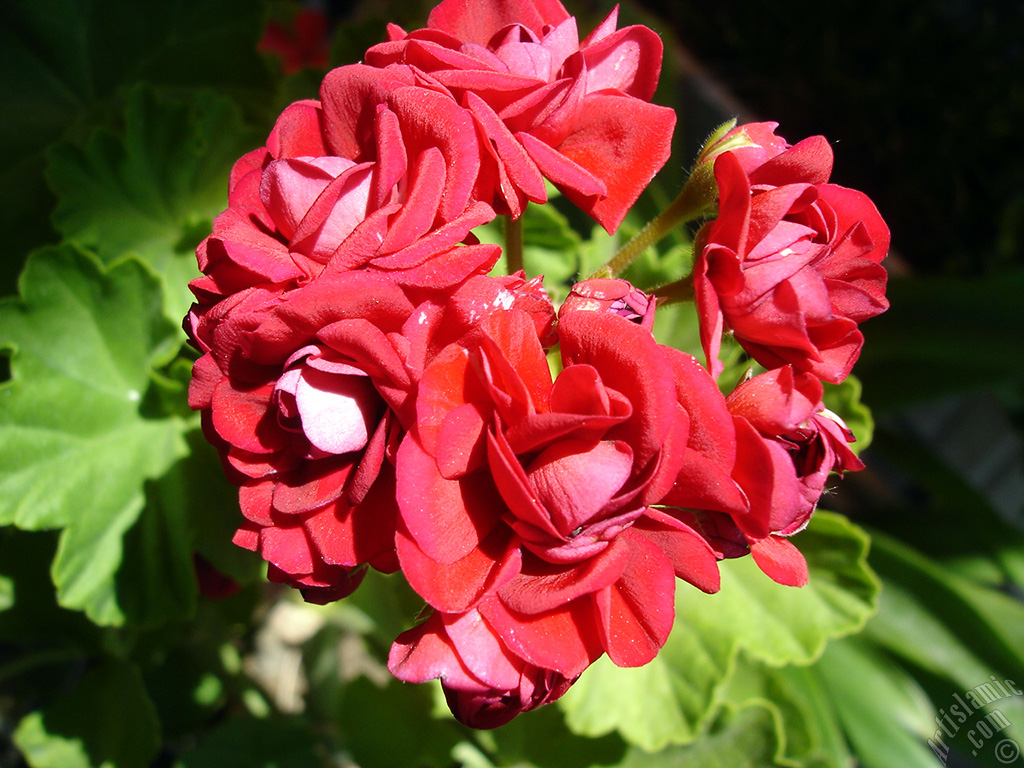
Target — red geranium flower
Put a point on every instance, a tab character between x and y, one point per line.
788	443
531	500
547	105
791	265
379	177
305	45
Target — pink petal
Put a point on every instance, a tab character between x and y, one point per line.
575	480
424	653
482	652
289	187
628	60
565	639
338	412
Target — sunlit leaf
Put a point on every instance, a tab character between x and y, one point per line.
79	444
668	700
153	188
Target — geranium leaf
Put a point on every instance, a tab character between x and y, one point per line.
108	719
79	438
6	593
550	248
668	700
64	59
883	710
844	400
153	188
808	725
742	738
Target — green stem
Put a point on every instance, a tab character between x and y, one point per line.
680	290
697	199
514	244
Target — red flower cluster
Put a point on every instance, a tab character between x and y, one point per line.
382	401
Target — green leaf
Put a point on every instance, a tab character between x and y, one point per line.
252	743
845	401
808	728
550	248
539	738
153	188
744	738
78	443
598	250
940	623
64	60
6	593
884	711
107	720
667	701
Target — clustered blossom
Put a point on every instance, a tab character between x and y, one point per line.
791	264
383	401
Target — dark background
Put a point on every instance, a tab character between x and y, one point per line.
923	101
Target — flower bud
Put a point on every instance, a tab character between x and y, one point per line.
611	295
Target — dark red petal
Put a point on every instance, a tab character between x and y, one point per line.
312	484
692	557
543	586
424	653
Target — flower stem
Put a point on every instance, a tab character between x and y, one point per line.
697	199
680	290
514	244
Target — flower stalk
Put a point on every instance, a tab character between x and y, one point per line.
697	200
514	244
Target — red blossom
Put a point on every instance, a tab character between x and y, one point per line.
377	177
791	265
546	105
305	45
531	499
307	393
788	443
382	402
611	295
